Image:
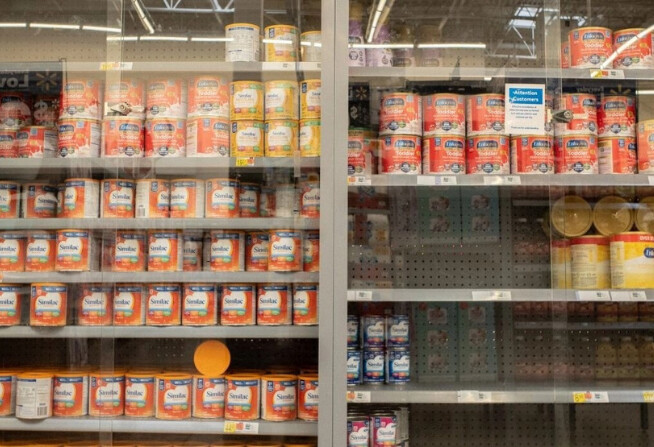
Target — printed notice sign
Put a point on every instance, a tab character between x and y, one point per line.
525	109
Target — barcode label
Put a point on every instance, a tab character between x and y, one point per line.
140	211
42	411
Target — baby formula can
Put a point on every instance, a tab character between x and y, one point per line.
247	139
383	429
310	99
248	199
8	143
78	138
374	370
487	154
565	53
12	251
207	136
71	394
616	116
400	114
40	251
243	42
285	251
561	268
256	251
353	331
129	251
187	198
398	365
584	113
227	251
279	397
199	305
81	198
9	200
94	305
267	203
633	55
397	331
281	43
37	142
444	114
576	154
274	304
532	154
311	251
39	200
590	262
222	198
632	260
118	198
286	200
15	109
310	199
106	394
281	100
173	396
165	251
152	198
139	394
373	331
311	46
81	98
123	137
401	154
12	297
281	138
77	251
208	397
308	397
645	148
485	114
358	431
165	137
238	305
354	366
125	91
34	395
129	304
310	134
163	307
305	304
246	100
590	47
166	98
442	154
192	251
571	216
7	392
242	397
617	155
208	96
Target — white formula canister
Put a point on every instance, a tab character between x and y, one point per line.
81	198
152	198
243	42
34	396
311	46
286	200
187	198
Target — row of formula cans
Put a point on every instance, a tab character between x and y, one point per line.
159	198
79	440
382	426
159	304
281	43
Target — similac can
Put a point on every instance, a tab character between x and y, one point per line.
123	137
208	397
616	116
397	331
139	394
12	251
118	198
12	297
373	331
401	154
243	42
358	430
637	54
199	305
532	154
207	136
398	365
166	98
238	305
222	198
310	199
40	251
208	96
444	114
576	154
590	47
34	395
163	307
77	251
305	304
617	155
590	262
106	394
281	138
354	369
444	154
37	142
7	392
71	394
129	251
308	397
81	198
383	429
645	148
374	370
187	198
267	203
125	91
173	396
242	397
61	194
274	304
487	154
584	113
165	137
565	53
485	114
153	198
561	268
311	46
256	251
129	305
247	139
248	199
279	397
400	114
192	251
246	100
632	260
8	143
78	138
310	143
311	251
310	99
227	251
285	251
94	305
15	109
81	99
281	43
353	331
39	200
9	200
165	251
281	100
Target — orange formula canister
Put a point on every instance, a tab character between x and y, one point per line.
310	138
34	395
285	251
584	113
165	251
70	394
305	304
94	304
617	155
401	154
248	199
247	138
246	100
139	394
274	304
173	396
310	99
81	198
129	251
77	251
208	397
444	114
165	137
199	305
40	251
130	92
400	114
78	138
81	98
106	394
645	147
242	397
532	154
7	392
39	200
311	251
48	304
15	109
163	306
590	47
207	136
208	96
37	142
576	154
238	305
267	202
634	52
444	154
8	143
153	198
227	251
118	198
129	304
308	397
123	137
279	397
166	98
187	198
222	198
282	100
9	200
565	53
256	251
487	154
310	199
12	251
616	116
12	297
281	43
192	251
281	138
485	114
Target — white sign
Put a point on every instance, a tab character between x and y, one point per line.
593	295
525	109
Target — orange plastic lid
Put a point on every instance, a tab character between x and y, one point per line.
212	358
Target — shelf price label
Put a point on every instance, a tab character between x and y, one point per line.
491	295
358	397
116	66
628	295
590	397
609	74
650	179
359	180
244	161
648	396
502	180
473	397
250	428
593	295
425	180
445	180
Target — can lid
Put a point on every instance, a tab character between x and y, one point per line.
212	358
571	216
612	215
645	215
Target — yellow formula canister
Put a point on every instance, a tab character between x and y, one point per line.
310	99
281	43
561	268
612	215
246	100
590	262
282	100
632	260
281	138
247	139
310	138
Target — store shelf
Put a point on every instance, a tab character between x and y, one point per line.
105	332
512	180
125	425
307	68
142	224
152	277
582	326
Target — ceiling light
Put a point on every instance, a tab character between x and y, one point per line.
382	45
105	29
166	38
278	41
13	25
53	26
478	46
143	16
212	39
122	38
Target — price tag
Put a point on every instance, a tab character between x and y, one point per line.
358	397
446	180
493	180
250	428
610	74
244	161
650	178
473	397
427	180
629	295
359	180
593	295
115	66
491	295
512	180
590	397
363	295
648	396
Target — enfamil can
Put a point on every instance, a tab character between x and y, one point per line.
37	142
308	397
305	304
139	394
444	154
207	136
173	396
227	251
71	394
635	55
129	304
279	397
8	143
166	98
12	251
199	305
12	298
163	307
576	154
242	397
187	198
401	154
532	154
77	251
238	305
222	198
590	262
9	200
274	304
81	198
7	392
106	394
590	46
34	395
208	397
40	251
165	251
617	155
400	114
78	138
444	114
285	251
632	260
130	91
485	114
123	137
165	137
39	200
48	304
118	198
256	251
645	131
153	198
208	96
488	154
94	304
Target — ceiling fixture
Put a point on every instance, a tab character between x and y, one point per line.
13	25
143	16
53	26
105	29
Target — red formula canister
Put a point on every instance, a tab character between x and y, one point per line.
208	96
616	116
78	138
166	98
15	110
576	154
48	304
129	251
444	114
165	137
129	304
163	306
267	202
242	397
532	154
311	251
70	394
400	114
152	198
256	251
139	394
590	46
39	200
238	305
81	198
645	149
37	142
94	304
81	98
279	397
40	251
12	298
8	143
617	155
129	93
165	251
12	251
305	304
584	113
207	136
359	161
444	154
123	137
118	198
274	304
77	251
9	200
487	154
308	397
248	199
285	251
634	52
199	305
565	53
222	198
106	394
208	397
227	251
485	114
401	154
